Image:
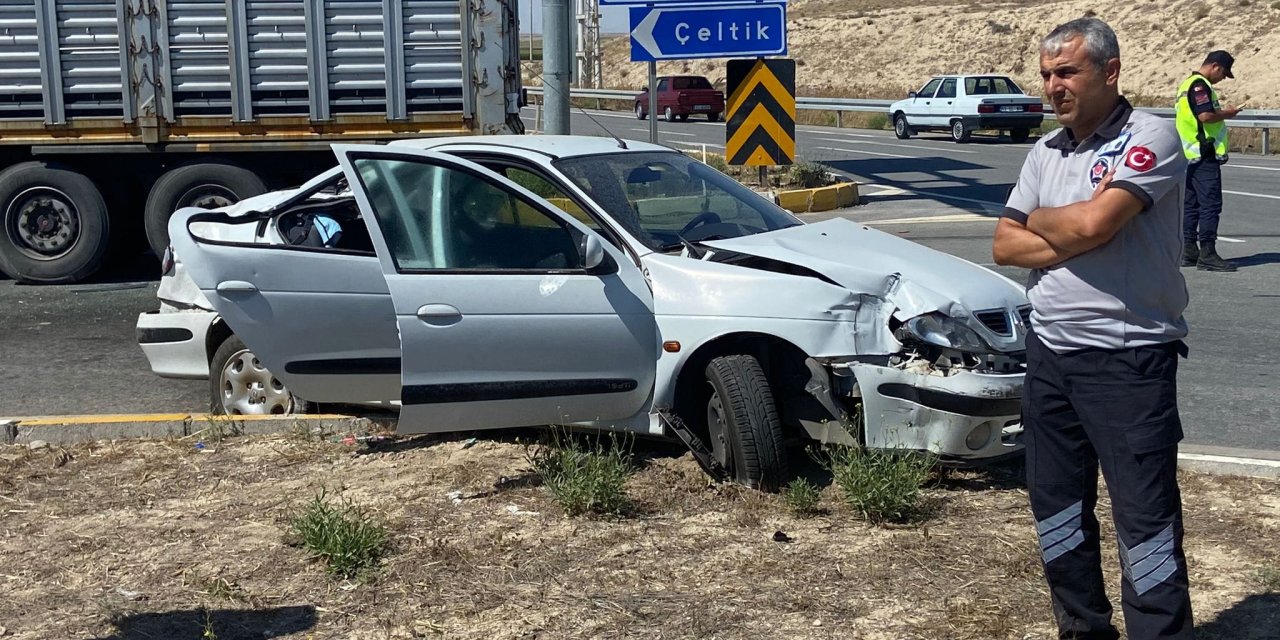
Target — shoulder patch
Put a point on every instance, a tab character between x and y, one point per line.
1140	159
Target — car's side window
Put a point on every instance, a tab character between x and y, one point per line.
438	218
1004	85
662	84
929	89
948	89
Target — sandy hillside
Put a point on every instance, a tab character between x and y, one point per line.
878	48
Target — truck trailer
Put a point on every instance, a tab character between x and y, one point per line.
116	113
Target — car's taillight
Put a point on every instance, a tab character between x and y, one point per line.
1035	108
166	261
985	107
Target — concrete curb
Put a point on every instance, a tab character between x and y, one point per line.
64	430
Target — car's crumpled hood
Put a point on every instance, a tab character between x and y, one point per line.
913	278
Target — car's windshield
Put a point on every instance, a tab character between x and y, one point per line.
666	199
990	86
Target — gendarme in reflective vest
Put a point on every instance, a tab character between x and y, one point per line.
1195	134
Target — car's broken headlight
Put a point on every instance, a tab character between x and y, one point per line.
945	331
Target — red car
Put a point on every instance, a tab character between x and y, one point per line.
682	96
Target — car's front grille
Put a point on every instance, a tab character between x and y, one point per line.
1024	312
996	320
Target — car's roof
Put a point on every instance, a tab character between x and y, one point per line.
547	145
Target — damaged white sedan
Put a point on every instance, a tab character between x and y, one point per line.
496	281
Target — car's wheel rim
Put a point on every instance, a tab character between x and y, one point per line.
639	111
901	125
718	431
248	388
669	114
957	130
208	196
43	223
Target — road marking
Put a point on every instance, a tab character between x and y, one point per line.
1249	166
956	217
1251	195
698	144
677	133
902	146
871	153
1226	239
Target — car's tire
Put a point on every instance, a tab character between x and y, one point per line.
960	132
900	127
204	184
713	117
240	385
669	114
640	114
1019	135
55	224
684	117
743	424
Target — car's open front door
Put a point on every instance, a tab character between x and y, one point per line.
510	312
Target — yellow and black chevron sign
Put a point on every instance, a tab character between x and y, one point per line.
761	123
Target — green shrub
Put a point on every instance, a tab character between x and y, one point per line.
808	175
801	497
347	539
877	121
581	478
881	485
1268	578
717	162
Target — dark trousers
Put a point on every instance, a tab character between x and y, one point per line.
1117	410
1202	204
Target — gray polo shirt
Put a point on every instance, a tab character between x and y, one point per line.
1129	291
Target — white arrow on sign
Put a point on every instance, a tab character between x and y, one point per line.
643	33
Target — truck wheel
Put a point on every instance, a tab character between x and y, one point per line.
56	227
960	132
713	117
742	422
900	127
639	112
669	115
208	185
240	385
1020	135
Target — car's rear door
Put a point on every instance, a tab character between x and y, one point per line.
500	323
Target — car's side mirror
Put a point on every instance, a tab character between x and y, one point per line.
643	89
911	94
594	258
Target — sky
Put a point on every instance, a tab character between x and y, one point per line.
613	19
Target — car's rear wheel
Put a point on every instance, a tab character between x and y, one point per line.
669	114
1020	135
240	385
713	117
743	424
684	117
640	114
960	131
900	127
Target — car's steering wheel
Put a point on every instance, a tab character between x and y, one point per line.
706	217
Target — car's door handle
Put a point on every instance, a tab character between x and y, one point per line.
437	312
236	286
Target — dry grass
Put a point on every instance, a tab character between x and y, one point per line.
155	539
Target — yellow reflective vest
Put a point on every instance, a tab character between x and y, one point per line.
1197	135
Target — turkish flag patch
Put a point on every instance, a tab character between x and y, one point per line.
1140	159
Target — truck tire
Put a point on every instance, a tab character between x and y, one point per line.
56	227
205	184
240	385
743	424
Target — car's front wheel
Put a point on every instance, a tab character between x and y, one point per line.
900	127
742	422
960	132
240	385
640	114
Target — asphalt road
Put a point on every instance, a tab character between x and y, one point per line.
70	349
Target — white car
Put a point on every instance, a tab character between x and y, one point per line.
964	104
502	281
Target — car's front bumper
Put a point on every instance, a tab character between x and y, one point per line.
1004	121
963	416
175	343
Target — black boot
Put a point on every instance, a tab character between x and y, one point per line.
1190	253
1211	261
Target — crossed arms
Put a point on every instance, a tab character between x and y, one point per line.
1054	234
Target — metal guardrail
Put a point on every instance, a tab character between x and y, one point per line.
1265	119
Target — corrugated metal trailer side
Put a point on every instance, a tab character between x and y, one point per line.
205	96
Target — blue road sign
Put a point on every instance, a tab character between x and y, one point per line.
723	31
684	3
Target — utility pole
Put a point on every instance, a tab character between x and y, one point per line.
556	61
587	56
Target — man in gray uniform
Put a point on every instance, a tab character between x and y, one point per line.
1097	216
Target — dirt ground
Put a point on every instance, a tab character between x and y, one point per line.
884	48
161	540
